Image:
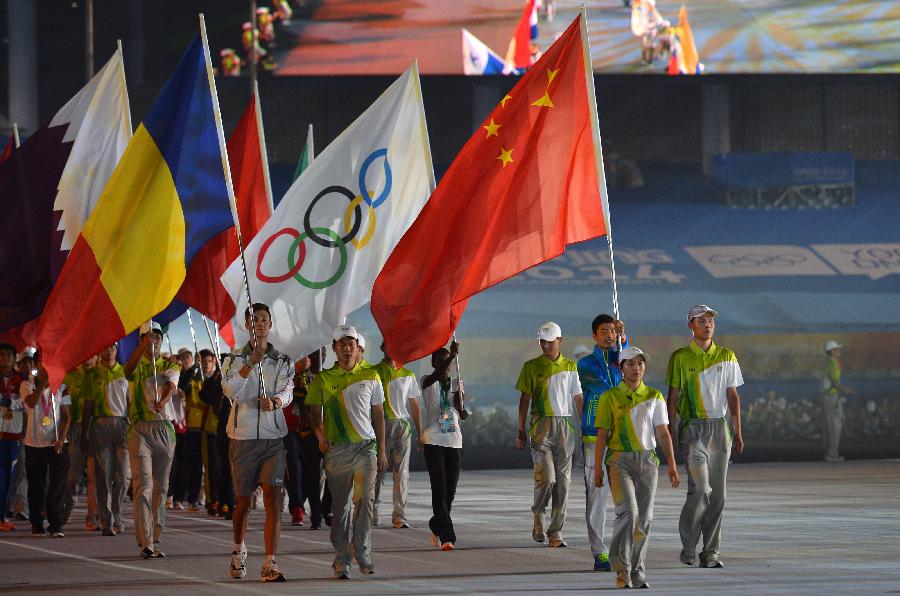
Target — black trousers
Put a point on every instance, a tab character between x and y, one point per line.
212	466
311	475
193	461
226	488
178	472
38	462
443	465
293	474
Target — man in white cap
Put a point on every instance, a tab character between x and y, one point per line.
831	403
549	385
152	383
256	429
703	379
628	417
347	415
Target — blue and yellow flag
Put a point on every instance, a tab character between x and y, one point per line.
165	200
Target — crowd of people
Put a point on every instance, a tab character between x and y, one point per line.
176	434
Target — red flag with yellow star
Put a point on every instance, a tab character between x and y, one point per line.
523	187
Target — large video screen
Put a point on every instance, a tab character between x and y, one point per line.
347	37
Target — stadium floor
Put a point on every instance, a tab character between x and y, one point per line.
790	528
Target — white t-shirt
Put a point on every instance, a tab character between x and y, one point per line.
37	434
440	418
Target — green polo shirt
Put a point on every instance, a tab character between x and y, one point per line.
631	417
551	384
702	379
104	386
72	381
346	397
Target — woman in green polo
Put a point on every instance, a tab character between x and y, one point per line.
631	417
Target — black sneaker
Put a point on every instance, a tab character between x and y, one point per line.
146	553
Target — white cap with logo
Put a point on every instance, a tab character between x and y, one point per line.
832	345
698	310
632	352
549	331
342	331
581	351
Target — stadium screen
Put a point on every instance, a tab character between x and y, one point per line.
351	37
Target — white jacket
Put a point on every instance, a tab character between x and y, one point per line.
278	375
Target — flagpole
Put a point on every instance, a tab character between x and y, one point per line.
215	345
598	155
16	134
229	186
153	361
193	333
310	151
253	36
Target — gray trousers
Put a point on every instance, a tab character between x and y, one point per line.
595	505
351	469
552	444
706	447
397	438
113	472
834	421
78	462
151	447
632	482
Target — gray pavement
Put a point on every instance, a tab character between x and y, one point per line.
790	528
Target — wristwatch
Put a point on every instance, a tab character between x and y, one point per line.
276	403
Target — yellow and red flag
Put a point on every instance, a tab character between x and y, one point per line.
524	186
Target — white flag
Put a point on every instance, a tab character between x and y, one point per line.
99	128
316	259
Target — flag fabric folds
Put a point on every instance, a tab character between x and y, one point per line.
524	186
306	155
49	185
316	259
165	200
692	64
478	59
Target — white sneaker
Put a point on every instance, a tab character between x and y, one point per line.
271	573
238	570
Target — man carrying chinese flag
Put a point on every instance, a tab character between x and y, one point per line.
525	185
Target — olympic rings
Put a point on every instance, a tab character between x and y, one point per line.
274	279
318	285
311	232
326	237
363	170
360	243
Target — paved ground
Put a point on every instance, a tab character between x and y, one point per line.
792	528
732	36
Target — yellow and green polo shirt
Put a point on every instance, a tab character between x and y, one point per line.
832	374
347	397
631	417
141	385
702	379
552	384
399	385
194	406
72	382
108	389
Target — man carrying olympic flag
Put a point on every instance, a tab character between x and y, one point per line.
316	259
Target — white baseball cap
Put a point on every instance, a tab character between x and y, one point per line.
342	331
549	331
361	340
149	326
831	345
698	310
632	352
581	350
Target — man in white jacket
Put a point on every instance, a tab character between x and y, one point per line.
256	428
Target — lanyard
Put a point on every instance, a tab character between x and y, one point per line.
608	373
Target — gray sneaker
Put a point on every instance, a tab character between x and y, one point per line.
271	573
537	532
238	558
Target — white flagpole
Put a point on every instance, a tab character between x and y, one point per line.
193	333
214	344
16	135
310	151
598	155
226	166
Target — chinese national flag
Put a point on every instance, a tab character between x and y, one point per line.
523	187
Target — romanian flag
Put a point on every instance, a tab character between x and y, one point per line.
166	199
523	187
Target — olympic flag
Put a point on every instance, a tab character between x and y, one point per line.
316	259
